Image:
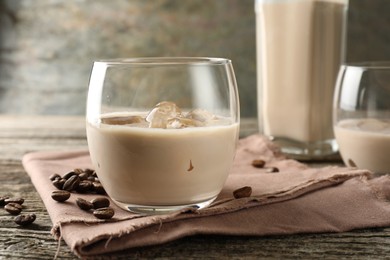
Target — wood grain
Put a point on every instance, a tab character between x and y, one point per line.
24	134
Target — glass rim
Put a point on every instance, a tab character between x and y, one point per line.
368	65
165	61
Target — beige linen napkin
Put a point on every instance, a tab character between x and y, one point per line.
297	199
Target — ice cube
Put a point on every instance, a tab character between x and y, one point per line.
201	115
122	120
161	113
182	122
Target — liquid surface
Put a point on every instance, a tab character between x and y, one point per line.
365	143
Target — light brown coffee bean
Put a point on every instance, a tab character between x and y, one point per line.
243	192
84	204
258	163
104	213
71	183
14	200
60	195
25	219
100	202
13	208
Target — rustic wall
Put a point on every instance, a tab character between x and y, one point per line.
47	46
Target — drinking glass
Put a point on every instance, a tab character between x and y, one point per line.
362	115
300	47
162	132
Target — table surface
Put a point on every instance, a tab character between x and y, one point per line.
22	134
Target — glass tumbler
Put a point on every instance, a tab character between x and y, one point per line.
300	47
362	115
162	132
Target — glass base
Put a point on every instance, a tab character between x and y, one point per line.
314	151
160	210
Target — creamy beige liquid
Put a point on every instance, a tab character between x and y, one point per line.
154	166
299	54
365	143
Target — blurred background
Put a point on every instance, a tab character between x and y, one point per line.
47	46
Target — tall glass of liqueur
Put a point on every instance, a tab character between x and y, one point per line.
362	115
162	132
300	47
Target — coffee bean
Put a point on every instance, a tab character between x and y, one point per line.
59	183
242	192
78	171
84	204
91	178
100	202
258	163
84	176
271	170
13	208
71	183
89	171
68	175
14	200
2	200
84	186
351	163
98	188
104	213
60	195
54	176
25	219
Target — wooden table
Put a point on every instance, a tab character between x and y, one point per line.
22	134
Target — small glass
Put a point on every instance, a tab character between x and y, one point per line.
362	115
162	132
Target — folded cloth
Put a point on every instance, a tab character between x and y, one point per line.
297	199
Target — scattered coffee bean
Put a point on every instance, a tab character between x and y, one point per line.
2	200
54	176
84	176
78	171
59	183
98	188
68	175
242	192
60	195
89	171
104	213
84	204
351	163
71	183
100	202
258	163
25	219
271	170
84	186
14	200
13	208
